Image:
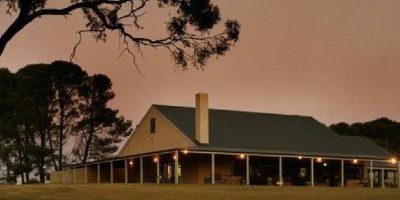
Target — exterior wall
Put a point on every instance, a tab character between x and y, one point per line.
56	177
68	176
166	136
105	172
79	176
196	168
92	174
119	175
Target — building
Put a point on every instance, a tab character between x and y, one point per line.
201	145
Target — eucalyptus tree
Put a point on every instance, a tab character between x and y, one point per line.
99	126
41	92
66	80
188	35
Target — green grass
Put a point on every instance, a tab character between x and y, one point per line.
190	192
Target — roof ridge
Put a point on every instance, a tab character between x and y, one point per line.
242	111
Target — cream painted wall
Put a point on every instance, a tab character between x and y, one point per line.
167	136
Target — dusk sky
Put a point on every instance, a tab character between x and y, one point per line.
333	60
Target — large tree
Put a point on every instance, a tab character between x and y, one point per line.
99	127
41	92
188	28
66	81
44	105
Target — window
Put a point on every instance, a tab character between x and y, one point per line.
152	125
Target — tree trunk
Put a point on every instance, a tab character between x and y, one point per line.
91	131
52	151
25	154
42	157
87	146
61	137
8	176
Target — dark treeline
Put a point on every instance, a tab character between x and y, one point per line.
383	131
46	108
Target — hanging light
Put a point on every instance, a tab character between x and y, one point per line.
325	164
131	163
319	160
393	160
174	157
242	156
155	159
355	161
300	157
185	151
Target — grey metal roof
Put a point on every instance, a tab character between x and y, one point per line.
240	131
366	146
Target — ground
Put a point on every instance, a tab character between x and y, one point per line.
190	192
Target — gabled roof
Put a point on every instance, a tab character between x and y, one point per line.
366	146
240	131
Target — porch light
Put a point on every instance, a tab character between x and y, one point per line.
393	160
130	162
319	160
185	151
174	157
300	157
325	164
155	160
242	156
355	161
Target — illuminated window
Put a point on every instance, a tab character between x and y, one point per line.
152	125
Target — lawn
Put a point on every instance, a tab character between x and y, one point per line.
190	192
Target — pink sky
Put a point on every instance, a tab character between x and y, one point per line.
333	60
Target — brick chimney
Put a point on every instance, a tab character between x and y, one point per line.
202	118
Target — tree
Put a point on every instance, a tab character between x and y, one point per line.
99	125
42	94
7	125
66	80
44	105
187	36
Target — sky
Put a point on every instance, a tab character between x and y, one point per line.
330	59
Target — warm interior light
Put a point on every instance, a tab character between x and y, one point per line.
174	157
319	160
131	163
155	160
300	157
185	151
355	161
242	156
393	160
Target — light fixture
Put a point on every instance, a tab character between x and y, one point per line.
242	156
130	162
393	160
185	151
174	157
355	161
325	164
319	160
155	160
300	157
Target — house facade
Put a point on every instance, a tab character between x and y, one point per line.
176	145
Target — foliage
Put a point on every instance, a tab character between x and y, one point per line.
45	105
99	125
188	36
